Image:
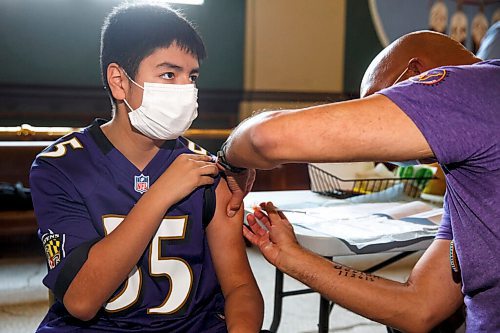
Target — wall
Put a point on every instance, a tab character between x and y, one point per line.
56	42
49	51
265	54
294	45
294	51
362	44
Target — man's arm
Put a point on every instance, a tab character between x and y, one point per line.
428	297
368	129
244	304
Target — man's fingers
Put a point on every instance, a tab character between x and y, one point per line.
274	215
255	239
250	236
234	204
250	180
270	209
280	213
262	217
255	226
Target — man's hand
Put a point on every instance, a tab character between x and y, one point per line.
278	240
239	185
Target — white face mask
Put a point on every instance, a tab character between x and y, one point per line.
167	110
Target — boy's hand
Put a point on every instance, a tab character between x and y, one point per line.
186	173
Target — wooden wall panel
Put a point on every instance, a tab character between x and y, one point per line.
295	45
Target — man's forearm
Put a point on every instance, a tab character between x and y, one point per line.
388	302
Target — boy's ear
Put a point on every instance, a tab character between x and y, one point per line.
117	81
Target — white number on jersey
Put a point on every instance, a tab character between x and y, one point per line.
61	148
176	270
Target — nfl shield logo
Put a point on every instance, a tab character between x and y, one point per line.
141	183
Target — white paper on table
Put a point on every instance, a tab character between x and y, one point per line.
357	225
435	215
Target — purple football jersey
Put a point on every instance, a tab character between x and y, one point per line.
457	109
82	188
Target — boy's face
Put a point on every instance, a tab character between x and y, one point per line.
170	65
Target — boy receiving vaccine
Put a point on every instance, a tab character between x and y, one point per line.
132	216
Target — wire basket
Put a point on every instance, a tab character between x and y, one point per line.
325	183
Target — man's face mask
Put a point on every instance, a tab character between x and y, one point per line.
167	110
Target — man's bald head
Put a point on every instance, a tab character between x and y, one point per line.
411	55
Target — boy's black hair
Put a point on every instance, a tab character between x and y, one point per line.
131	32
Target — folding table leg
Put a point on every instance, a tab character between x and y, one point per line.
324	315
278	300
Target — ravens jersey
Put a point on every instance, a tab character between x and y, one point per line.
82	189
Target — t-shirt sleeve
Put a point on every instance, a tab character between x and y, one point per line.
446	106
445	231
64	225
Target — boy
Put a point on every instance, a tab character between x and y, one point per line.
132	215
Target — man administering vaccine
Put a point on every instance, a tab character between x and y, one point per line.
423	97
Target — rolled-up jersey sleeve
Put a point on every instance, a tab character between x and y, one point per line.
439	102
64	224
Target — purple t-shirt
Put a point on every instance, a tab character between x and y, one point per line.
457	109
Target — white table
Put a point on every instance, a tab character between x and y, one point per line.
326	245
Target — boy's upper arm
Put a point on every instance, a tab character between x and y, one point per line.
226	243
64	225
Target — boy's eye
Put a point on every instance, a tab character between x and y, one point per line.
193	78
168	76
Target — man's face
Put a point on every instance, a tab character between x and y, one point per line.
171	65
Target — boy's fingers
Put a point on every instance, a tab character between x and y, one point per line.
198	157
206	180
210	169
